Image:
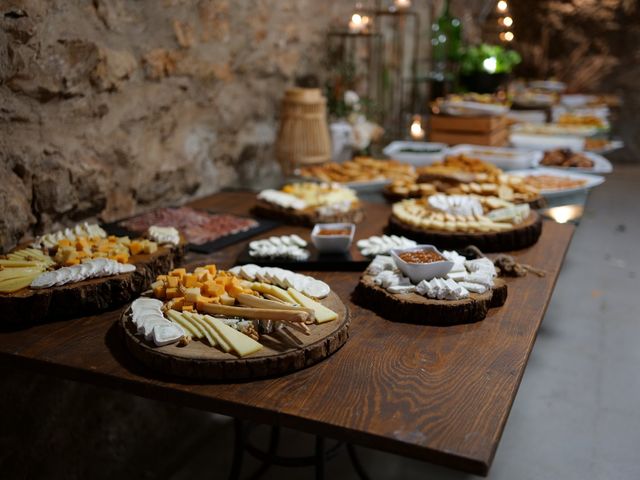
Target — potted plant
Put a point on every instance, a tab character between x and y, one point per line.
483	68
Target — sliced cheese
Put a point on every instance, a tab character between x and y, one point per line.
277	292
323	314
240	343
177	318
222	343
204	327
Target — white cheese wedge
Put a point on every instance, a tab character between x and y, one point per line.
240	343
323	314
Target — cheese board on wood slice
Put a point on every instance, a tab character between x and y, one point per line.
81	271
456	221
308	203
463	174
203	231
425	286
245	323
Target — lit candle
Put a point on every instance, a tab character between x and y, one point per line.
402	4
356	25
416	130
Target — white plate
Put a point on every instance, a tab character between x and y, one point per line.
592	180
393	150
554	129
600	164
610	147
465	108
369	186
502	157
577	100
550	85
545	142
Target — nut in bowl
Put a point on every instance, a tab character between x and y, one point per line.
422	262
333	237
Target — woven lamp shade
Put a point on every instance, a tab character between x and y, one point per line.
303	137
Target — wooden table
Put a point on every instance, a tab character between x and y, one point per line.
439	394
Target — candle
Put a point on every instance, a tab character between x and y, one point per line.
356	25
416	130
402	4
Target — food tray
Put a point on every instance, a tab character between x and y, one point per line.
502	157
263	225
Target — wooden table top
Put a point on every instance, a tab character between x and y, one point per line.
439	394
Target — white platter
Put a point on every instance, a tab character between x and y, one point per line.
600	164
502	157
591	180
545	142
610	147
554	129
393	150
369	186
466	108
550	85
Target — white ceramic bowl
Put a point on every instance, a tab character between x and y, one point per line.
421	271
332	243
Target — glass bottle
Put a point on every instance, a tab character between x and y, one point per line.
446	45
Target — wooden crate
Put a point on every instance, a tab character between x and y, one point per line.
482	124
498	138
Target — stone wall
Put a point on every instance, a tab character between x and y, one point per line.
594	46
109	106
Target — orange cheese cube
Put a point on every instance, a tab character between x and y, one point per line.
122	257
160	291
173	281
172	292
189	280
178	272
135	247
65	242
212	269
187	308
176	303
162	278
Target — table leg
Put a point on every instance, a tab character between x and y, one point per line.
355	461
238	450
320	456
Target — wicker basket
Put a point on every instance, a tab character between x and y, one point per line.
303	137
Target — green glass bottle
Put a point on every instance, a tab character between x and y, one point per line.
446	47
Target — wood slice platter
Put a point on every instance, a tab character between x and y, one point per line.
521	236
415	308
284	351
393	197
307	219
87	297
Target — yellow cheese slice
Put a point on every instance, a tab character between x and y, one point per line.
323	314
273	290
203	326
222	343
240	343
176	317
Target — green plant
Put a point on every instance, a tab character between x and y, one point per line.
488	58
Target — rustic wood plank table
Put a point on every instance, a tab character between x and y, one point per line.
439	394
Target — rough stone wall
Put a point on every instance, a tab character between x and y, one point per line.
593	45
109	106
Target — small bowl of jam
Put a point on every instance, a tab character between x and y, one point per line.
333	237
422	262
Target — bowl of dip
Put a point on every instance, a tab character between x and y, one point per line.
333	237
422	262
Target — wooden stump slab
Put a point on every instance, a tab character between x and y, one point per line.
306	219
88	297
283	352
415	308
521	236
